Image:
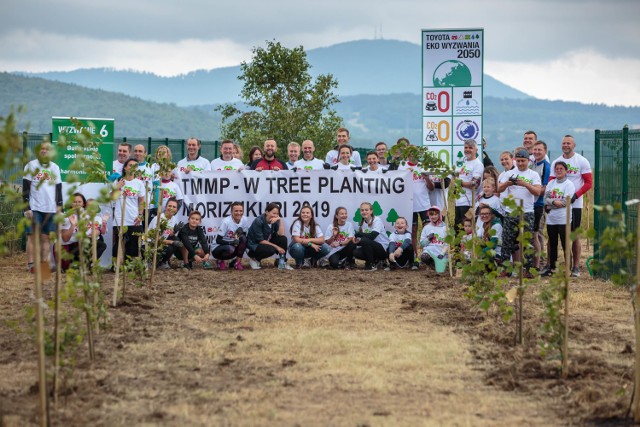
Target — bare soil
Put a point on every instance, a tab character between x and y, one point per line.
318	347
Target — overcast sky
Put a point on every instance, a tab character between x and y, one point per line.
576	50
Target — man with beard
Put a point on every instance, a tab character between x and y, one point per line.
269	161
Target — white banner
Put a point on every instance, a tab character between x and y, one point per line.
212	193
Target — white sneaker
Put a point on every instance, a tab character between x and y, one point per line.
323	263
288	267
575	272
164	266
307	263
254	263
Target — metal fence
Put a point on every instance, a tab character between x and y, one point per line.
617	176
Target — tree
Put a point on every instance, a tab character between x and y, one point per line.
282	101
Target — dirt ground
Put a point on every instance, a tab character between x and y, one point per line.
318	347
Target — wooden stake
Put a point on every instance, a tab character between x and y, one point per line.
567	272
446	219
42	378
521	273
87	303
155	244
120	253
56	310
636	317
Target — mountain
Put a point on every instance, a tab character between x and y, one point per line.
133	116
376	67
371	118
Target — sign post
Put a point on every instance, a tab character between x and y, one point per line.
452	78
65	129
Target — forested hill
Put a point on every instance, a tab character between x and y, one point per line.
370	118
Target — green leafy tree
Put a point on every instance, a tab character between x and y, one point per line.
283	102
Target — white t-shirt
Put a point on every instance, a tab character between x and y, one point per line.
146	176
223	165
170	224
97	224
576	167
421	201
436	196
558	191
493	202
380	170
42	194
470	169
398	238
342	167
132	191
332	158
345	232
519	192
313	164
437	245
117	167
497	227
228	228
169	189
376	225
198	165
304	231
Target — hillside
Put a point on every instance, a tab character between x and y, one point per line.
133	116
377	67
370	118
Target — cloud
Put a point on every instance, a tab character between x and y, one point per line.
36	51
585	76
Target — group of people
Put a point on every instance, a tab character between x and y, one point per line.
528	177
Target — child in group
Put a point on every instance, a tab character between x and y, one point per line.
489	229
340	240
195	246
466	238
432	237
489	197
231	241
168	189
307	240
371	238
400	249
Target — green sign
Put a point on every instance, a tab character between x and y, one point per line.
66	133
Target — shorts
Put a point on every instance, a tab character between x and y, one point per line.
576	218
537	216
423	217
45	219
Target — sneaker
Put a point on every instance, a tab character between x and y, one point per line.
415	265
164	266
323	263
298	266
370	267
254	263
546	271
187	266
575	272
306	263
222	265
238	265
207	265
288	267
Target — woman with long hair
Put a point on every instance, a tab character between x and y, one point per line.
70	228
132	194
307	240
489	230
255	153
371	238
340	239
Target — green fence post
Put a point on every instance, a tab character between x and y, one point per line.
596	193
625	172
215	149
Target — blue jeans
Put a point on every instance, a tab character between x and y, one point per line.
300	252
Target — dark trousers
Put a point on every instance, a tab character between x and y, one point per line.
74	250
370	251
131	237
265	251
345	253
407	257
225	252
553	232
510	232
